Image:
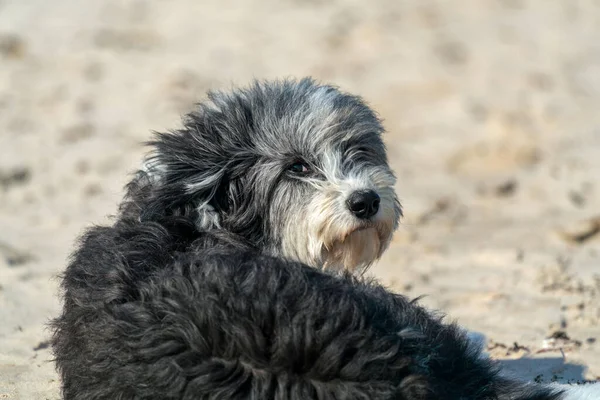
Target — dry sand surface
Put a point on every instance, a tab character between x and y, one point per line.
493	115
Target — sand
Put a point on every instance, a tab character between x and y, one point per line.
494	132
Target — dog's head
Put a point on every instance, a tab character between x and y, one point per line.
297	169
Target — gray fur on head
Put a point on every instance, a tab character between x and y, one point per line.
275	164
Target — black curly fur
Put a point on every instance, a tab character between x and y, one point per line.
155	310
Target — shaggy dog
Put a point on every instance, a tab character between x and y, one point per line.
229	272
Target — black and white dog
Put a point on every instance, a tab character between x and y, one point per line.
229	272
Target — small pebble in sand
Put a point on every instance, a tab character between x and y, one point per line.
582	231
11	46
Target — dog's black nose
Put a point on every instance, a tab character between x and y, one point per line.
364	203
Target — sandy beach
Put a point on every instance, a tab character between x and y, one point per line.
492	112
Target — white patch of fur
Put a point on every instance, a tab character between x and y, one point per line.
208	217
317	122
210	181
589	391
357	250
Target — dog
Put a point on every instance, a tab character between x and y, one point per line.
232	269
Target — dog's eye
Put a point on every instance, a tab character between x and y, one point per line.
299	168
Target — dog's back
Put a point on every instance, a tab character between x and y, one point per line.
152	313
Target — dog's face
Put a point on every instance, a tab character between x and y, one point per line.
297	169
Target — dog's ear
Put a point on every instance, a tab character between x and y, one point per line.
180	178
190	170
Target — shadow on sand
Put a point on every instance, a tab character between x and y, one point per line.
544	369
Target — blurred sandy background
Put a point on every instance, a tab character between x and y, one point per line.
493	112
